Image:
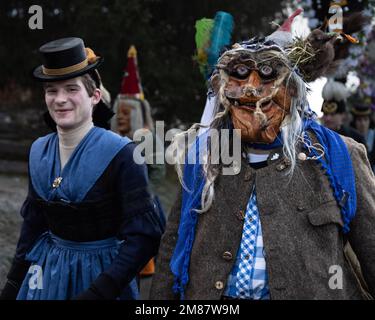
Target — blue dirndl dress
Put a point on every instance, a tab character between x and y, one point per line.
61	269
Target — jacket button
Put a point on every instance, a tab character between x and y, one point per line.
219	285
280	167
227	256
300	208
302	156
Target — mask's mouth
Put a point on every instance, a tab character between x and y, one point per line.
264	105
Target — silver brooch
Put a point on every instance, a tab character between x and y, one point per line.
56	183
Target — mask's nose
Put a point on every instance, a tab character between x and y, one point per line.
253	82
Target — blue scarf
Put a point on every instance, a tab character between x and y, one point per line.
86	164
337	166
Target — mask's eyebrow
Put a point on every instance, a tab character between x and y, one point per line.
248	61
246	58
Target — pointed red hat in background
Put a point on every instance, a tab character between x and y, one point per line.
287	25
131	81
283	35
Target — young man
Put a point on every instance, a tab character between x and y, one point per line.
276	228
90	223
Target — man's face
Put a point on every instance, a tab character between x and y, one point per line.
256	93
69	103
124	119
362	124
333	121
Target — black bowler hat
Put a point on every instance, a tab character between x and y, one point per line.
361	110
65	58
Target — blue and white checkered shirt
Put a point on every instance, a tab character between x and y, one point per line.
248	278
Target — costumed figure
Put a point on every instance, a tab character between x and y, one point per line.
133	115
273	228
89	222
362	121
335	112
363	102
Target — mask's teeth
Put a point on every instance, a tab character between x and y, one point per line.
236	103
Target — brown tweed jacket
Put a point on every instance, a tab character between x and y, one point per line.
302	233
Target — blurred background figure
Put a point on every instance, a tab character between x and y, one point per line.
363	123
133	113
130	103
334	110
